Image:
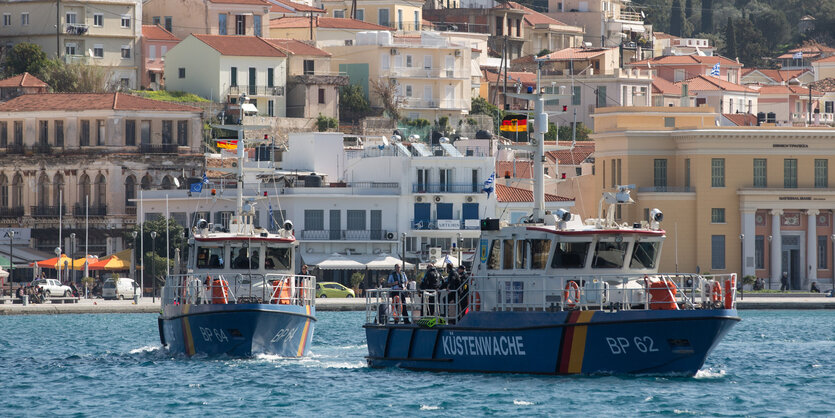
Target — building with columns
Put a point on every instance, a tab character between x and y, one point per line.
751	200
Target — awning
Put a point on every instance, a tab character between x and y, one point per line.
332	262
51	262
447	259
631	27
78	263
116	262
382	262
249	107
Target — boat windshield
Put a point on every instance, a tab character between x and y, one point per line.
495	255
540	249
244	258
570	255
278	258
644	255
210	257
609	254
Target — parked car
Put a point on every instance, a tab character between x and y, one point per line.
333	290
119	288
52	287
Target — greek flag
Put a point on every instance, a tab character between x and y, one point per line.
798	55
446	260
205	179
488	184
715	71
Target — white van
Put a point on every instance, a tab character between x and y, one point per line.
119	288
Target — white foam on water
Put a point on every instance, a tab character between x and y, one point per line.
521	403
648	399
145	349
710	374
429	408
683	412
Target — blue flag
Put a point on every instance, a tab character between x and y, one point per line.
196	188
715	71
488	184
205	178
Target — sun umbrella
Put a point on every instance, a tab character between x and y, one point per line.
442	262
51	262
115	262
78	263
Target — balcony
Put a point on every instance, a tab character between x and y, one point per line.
130	210
15	149
444	224
444	104
430	73
47	211
347	235
11	212
255	90
80	210
319	78
667	189
446	188
75	29
42	149
159	148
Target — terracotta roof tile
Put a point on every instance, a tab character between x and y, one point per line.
790	55
324	22
787	90
710	83
23	80
157	33
527	79
89	101
778	76
665	87
662	35
535	18
827	59
576	156
508	194
687	60
825	85
296	47
240	46
299	7
812	46
252	2
524	169
741	119
576	54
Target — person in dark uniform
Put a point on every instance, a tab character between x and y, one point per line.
815	288
784	282
431	282
452	283
463	301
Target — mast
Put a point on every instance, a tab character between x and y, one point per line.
539	129
240	173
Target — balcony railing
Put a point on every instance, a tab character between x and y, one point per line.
130	210
666	189
413	72
347	234
95	210
446	188
42	149
11	212
443	224
256	90
47	211
416	103
15	149
158	148
75	29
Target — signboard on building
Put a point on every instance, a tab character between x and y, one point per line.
449	224
22	236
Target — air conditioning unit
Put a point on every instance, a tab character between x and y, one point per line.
435	252
438	198
418	199
457	52
390	235
469	199
393	51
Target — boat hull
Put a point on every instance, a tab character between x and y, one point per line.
238	330
576	342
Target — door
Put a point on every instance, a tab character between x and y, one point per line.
335	226
427	96
376	224
449	66
449	97
421	219
444	210
251	80
791	260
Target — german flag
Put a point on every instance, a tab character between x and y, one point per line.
514	123
227	143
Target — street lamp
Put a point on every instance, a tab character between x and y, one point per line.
72	253
154	265
742	260
133	260
58	262
11	260
460	242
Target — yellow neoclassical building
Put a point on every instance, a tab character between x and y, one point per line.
753	200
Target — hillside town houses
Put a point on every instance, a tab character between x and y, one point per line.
737	157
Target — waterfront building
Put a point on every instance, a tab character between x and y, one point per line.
789	104
21	84
400	15
501	21
62	149
727	97
209	17
286	8
775	77
156	41
753	200
675	68
324	31
103	33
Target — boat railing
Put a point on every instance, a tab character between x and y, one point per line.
517	293
239	288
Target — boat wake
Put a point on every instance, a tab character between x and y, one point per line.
522	403
710	374
146	349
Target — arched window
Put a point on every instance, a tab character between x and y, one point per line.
130	190
101	191
17	191
166	183
4	191
84	190
59	194
43	190
146	182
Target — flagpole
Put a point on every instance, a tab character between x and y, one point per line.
167	245
141	245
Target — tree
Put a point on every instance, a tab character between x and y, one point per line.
154	257
707	16
480	106
755	50
76	77
688	9
565	132
324	123
387	92
353	105
25	57
777	25
676	18
730	39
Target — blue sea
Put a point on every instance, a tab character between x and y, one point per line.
773	363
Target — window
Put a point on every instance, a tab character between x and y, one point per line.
152	52
155	20
221	23
760	176
356	220
4	134
101	191
279	258
308	67
790	173
98	51
17	190
821	173
233	76
182	132
507	254
417	20
314	220
125	51
601	96
717	215
162	50
167	131
240	24
409	61
717	172
678	75
125	21
59	133
540	250
499	26
181	72
828	107
321	96
383	17
71	18
24	19
256	25
408	90
717	252
400	19
669	122
759	252
660	173
822	251
98	19
609	254
518	27
130	132
43	132
210	257
575	97
18	132
4	191
168	25
687	174
521	254
70	48
445	177
339	14
145	131
270	77
644	255
361	14
84	135
494	256
7	19
270	108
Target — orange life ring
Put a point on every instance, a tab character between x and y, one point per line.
730	284
716	292
565	295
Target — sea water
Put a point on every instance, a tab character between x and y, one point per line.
772	363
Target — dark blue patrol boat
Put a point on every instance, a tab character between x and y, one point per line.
558	295
240	296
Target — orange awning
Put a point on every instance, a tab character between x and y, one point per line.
51	262
78	263
115	262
